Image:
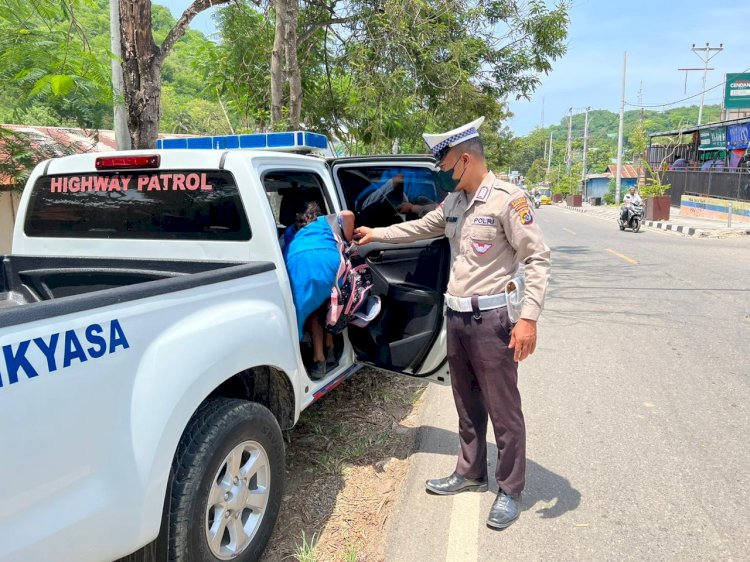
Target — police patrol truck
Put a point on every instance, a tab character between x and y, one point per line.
149	354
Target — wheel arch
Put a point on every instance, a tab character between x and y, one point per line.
267	385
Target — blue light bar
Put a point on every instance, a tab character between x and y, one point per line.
292	141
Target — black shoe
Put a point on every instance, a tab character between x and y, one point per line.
504	511
454	484
318	370
331	361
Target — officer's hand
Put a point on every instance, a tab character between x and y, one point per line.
523	339
363	235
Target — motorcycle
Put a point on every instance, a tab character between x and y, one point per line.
633	217
537	200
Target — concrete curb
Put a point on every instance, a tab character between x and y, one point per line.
668	226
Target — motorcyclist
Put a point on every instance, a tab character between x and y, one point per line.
631	198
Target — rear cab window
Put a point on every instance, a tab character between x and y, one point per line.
138	204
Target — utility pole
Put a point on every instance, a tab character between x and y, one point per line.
570	140
708	53
549	158
542	112
585	146
618	176
122	135
686	70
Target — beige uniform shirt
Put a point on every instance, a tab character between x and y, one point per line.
489	237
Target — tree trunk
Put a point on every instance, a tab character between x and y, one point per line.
142	62
277	67
292	63
141	69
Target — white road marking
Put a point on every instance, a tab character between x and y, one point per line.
568	230
463	532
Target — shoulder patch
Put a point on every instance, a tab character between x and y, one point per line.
521	206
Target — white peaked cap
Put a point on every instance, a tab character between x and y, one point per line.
438	144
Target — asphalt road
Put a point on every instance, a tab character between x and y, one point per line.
637	404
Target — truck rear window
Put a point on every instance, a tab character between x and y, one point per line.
154	204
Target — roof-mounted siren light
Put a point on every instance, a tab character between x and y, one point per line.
303	142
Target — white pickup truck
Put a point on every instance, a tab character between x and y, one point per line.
149	354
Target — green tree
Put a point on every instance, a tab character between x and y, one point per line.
143	61
537	171
48	64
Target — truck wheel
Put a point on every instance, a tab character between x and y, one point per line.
227	483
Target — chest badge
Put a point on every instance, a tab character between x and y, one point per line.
483	221
481	248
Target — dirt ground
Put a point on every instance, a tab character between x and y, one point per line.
346	459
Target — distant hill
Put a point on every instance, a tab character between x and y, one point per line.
603	124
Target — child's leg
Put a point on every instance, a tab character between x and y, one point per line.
317	334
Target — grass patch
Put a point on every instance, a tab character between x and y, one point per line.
340	478
351	554
306	551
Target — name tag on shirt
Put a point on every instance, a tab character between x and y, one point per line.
483	221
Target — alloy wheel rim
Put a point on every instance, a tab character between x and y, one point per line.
237	500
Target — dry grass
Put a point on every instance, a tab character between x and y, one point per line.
345	463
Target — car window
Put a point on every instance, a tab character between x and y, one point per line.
385	195
289	192
142	204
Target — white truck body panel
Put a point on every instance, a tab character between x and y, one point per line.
93	482
92	434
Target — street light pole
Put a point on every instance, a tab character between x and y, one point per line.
549	158
568	149
618	176
708	54
585	146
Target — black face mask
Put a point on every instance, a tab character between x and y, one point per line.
445	179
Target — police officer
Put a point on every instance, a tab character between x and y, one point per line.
492	230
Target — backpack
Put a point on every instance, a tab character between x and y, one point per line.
351	290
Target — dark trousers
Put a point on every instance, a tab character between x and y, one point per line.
484	378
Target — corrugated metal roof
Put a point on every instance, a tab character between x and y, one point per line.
694	128
628	171
60	141
86	140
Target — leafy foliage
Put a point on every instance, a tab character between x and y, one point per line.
375	73
48	64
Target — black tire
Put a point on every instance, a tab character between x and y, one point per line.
217	427
622	227
636	224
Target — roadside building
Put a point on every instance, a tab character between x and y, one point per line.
710	160
598	185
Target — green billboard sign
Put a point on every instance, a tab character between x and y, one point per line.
713	138
737	94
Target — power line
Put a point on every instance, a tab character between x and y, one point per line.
683	99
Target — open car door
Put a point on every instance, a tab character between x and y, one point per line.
408	336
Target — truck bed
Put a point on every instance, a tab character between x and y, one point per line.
33	287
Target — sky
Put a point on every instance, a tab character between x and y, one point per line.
657	35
